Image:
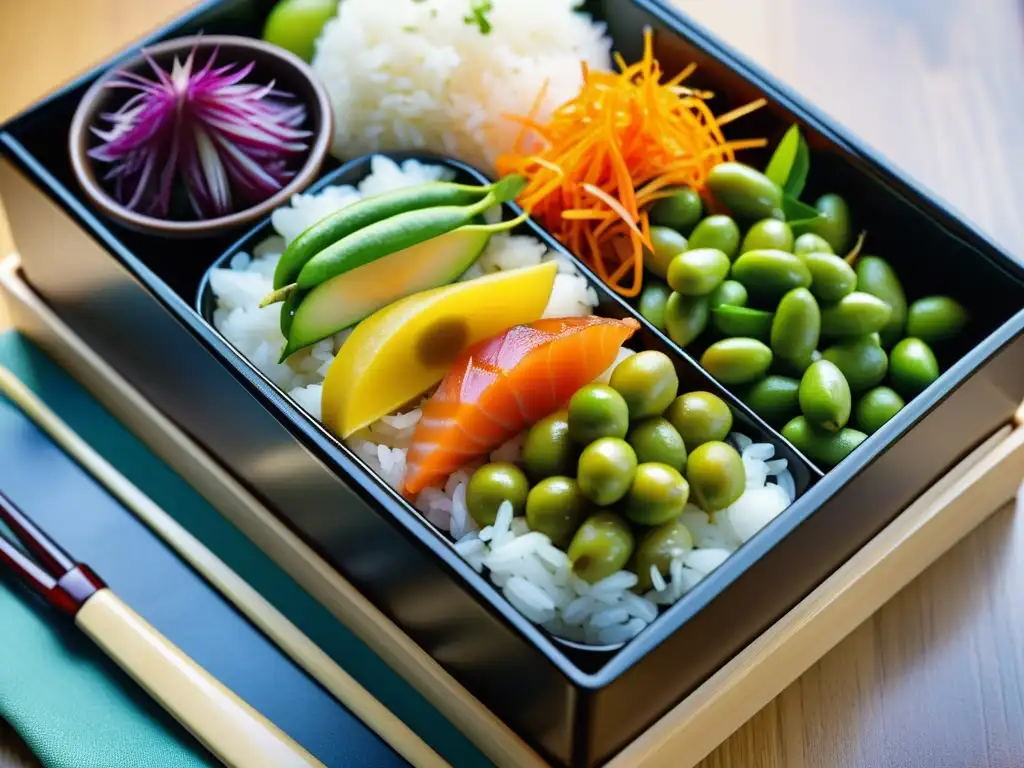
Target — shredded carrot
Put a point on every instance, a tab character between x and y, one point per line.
625	141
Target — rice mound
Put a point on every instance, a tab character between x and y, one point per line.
418	75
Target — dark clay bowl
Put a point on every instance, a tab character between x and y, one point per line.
288	71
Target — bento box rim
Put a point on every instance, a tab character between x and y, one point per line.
871	162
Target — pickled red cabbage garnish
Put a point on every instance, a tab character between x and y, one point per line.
223	142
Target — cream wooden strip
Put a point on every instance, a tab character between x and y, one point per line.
979	485
238	735
224	492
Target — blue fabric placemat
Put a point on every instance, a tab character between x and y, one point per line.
115	443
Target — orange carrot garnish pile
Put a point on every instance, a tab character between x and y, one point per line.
625	141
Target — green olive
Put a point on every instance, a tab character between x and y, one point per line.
875	408
858	314
825	396
686	317
716	475
877	277
834	225
795	367
831	277
862	362
657	440
548	450
797	325
659	547
729	293
768	234
742	321
681	211
716	231
774	398
809	242
737	361
768	275
597	410
493	484
647	382
657	495
936	319
602	546
652	303
746	192
605	470
912	367
555	507
698	272
700	417
822	447
667	245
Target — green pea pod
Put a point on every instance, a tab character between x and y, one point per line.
352	218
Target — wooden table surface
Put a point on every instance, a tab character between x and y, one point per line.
936	678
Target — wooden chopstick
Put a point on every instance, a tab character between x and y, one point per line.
254	606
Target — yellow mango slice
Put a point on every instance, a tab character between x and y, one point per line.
404	349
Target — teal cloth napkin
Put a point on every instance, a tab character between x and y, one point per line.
71	705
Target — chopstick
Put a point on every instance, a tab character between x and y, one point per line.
275	625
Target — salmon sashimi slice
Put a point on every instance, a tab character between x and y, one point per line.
503	385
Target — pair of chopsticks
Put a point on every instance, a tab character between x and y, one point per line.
303	651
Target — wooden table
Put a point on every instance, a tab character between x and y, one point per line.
936	678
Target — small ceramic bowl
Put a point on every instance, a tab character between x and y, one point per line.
288	71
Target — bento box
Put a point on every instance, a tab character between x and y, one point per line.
145	303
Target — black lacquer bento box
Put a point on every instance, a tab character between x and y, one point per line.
147	311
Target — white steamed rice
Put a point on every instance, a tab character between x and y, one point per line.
533	575
413	74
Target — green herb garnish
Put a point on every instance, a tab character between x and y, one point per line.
790	163
478	10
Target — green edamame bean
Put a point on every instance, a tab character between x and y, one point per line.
657	440
681	211
737	361
667	245
825	397
809	242
769	275
796	326
548	450
823	448
686	317
857	314
333	228
555	507
742	321
834	226
401	231
605	470
716	475
657	495
493	484
875	408
729	292
877	277
700	417
602	546
716	231
912	367
936	319
659	547
831	277
774	398
768	234
698	272
745	191
653	299
862	361
595	411
648	383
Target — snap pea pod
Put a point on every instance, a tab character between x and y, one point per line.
349	219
